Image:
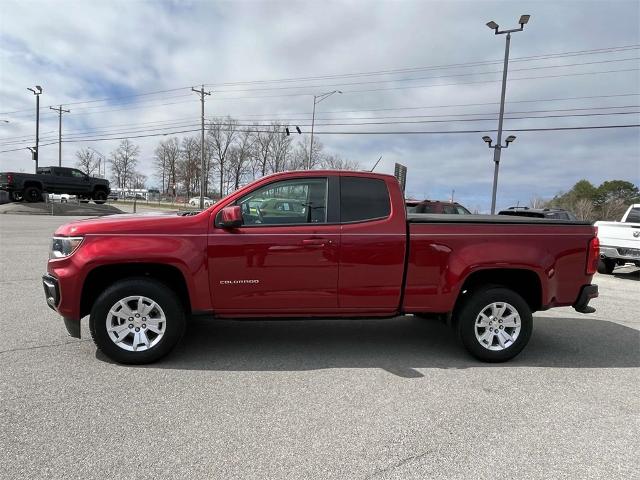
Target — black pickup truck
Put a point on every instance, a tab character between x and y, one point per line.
30	187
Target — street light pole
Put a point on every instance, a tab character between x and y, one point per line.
316	100
101	159
37	91
497	149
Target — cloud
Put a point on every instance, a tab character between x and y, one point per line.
89	50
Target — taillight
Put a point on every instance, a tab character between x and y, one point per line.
593	256
9	178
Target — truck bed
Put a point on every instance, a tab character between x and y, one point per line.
446	250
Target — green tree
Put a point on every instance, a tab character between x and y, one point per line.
621	190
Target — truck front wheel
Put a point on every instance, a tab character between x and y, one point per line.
99	197
494	324
137	321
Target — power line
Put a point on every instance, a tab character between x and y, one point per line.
359	74
351	121
330	85
379	132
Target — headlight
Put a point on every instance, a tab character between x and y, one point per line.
64	246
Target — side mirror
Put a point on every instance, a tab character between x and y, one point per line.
231	217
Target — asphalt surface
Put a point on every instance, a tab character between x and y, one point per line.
370	399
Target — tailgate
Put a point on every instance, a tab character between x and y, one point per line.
618	234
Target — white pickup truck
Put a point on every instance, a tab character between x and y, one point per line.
620	241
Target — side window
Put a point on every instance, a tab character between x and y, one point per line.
286	202
634	216
363	199
462	211
450	209
62	172
77	174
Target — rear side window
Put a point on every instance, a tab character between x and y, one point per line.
634	216
363	199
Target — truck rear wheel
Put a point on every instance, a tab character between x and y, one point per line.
32	194
15	196
606	266
494	324
137	321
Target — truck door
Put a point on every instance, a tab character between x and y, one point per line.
284	257
372	246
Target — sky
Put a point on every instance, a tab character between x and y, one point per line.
95	57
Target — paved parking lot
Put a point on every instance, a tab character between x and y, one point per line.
378	399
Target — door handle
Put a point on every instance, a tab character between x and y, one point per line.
316	242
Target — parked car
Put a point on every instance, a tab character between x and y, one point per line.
437	206
620	241
113	196
61	197
355	254
557	213
195	202
30	187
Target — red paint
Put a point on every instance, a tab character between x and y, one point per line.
317	269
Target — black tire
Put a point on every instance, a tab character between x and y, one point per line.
470	310
606	266
158	292
99	197
32	194
15	196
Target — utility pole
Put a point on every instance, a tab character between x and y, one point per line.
203	174
316	100
497	149
60	111
37	91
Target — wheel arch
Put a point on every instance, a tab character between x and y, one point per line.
102	276
32	183
524	282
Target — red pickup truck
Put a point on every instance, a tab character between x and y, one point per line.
326	244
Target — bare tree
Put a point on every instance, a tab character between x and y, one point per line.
222	133
189	165
280	152
123	162
85	161
138	180
612	209
584	209
240	156
262	149
167	154
537	202
335	162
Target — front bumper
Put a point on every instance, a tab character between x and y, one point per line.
587	292
51	291
52	294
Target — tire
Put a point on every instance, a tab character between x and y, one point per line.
32	194
151	346
99	197
479	340
606	266
15	196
